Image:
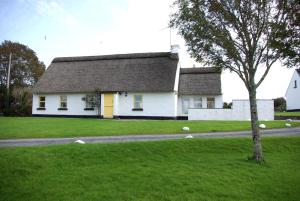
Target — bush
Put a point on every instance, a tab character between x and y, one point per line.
227	105
280	104
20	102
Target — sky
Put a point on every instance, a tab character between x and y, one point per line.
57	28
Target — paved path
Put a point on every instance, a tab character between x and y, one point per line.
127	138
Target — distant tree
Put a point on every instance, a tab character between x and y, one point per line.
227	105
25	69
21	101
235	35
280	104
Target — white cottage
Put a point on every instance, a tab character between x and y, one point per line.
143	85
293	93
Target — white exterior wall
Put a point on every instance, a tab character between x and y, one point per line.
240	111
293	94
154	104
75	105
218	102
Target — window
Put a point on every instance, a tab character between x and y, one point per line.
42	102
138	102
63	101
197	102
295	84
89	101
185	105
210	102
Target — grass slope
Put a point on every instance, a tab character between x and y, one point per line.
28	127
194	169
287	114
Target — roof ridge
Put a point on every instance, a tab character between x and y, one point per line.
116	56
199	70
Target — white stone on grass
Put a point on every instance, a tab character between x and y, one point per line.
290	120
187	129
262	126
288	125
79	142
189	136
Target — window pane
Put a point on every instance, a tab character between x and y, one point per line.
197	102
63	98
138	101
210	102
185	105
42	104
137	105
89	101
90	98
63	101
63	104
138	98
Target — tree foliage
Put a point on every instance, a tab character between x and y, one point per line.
25	67
25	71
279	104
233	34
237	35
287	39
227	105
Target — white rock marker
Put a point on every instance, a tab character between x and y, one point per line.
290	120
262	126
79	142
288	125
189	136
186	129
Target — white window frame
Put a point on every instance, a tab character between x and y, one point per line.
40	101
88	103
136	102
214	102
185	110
63	99
197	102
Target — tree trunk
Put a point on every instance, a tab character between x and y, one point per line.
257	147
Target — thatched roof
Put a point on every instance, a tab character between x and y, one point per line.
141	72
200	81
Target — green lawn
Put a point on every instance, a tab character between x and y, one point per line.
287	113
188	169
29	127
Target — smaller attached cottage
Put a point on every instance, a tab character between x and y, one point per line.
140	85
293	93
199	88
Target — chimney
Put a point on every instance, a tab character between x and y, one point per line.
175	48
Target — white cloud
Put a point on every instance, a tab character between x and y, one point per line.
45	7
54	10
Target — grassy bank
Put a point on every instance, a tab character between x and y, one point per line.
29	127
194	169
287	114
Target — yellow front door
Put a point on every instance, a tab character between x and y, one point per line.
108	105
